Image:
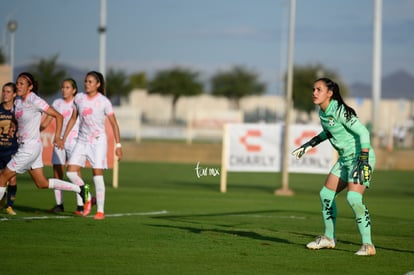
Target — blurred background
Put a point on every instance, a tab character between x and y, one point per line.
180	69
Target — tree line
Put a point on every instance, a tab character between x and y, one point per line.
176	82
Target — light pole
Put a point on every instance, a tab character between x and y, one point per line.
285	190
12	27
102	39
376	70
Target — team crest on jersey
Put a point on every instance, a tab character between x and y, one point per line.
331	121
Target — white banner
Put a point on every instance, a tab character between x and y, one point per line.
318	160
253	147
258	148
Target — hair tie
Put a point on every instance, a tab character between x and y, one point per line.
27	78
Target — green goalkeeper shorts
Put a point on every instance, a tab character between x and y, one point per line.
345	169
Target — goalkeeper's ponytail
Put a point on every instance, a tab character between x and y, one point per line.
334	87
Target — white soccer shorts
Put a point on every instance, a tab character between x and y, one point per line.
27	157
94	153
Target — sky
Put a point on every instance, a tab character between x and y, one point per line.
210	36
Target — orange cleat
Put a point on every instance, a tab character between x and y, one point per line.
99	216
87	208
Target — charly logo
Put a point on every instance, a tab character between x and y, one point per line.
251	147
206	171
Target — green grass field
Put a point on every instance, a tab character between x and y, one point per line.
163	219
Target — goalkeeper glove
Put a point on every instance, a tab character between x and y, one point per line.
299	152
363	170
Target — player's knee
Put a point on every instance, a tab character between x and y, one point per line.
42	184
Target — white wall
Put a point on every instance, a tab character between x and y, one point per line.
158	109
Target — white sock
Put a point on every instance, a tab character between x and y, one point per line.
59	197
74	178
79	200
63	185
100	193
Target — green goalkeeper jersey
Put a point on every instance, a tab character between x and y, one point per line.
347	136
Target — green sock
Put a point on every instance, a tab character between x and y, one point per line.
328	211
361	216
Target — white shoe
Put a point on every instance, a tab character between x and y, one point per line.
366	250
321	242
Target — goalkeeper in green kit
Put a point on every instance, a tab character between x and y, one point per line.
353	169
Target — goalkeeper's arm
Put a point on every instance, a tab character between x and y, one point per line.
299	152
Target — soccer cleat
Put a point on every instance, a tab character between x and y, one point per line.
99	216
87	192
366	250
10	211
321	242
87	208
87	202
57	208
79	210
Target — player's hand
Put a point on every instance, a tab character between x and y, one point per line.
59	143
118	153
363	170
299	152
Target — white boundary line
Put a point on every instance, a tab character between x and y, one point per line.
5	219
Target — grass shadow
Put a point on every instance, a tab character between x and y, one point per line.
21	209
240	233
235	213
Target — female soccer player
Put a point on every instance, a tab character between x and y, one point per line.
8	142
28	112
64	106
353	169
92	107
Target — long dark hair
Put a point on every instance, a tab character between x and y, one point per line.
99	77
334	87
30	78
